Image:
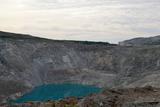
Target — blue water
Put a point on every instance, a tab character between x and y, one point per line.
57	92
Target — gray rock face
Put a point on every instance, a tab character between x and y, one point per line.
31	61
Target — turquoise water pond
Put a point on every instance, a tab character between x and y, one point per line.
57	92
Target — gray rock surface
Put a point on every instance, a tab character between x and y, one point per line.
29	61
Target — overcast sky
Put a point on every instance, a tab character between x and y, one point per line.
98	20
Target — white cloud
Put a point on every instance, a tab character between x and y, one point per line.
101	20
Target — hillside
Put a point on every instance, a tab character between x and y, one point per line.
29	61
141	41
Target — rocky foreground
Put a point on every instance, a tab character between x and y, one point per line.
130	97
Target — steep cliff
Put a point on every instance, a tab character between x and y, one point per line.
29	61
